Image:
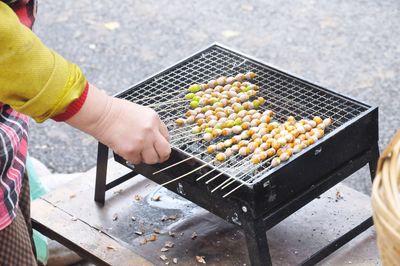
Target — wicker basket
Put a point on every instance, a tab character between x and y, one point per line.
386	203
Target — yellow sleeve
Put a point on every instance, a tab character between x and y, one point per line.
34	80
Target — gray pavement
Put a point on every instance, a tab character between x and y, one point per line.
352	47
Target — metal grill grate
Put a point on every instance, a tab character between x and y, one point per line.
285	95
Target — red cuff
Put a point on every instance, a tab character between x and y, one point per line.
74	107
26	12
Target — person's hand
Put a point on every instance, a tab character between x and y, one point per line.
135	132
132	131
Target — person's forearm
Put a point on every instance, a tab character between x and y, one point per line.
93	113
133	131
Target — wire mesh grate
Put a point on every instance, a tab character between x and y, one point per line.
285	95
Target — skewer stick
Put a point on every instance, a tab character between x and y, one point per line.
172	165
159	105
163	110
227	185
239	177
201	177
180	136
242	184
173	118
176	141
209	181
178	145
176	138
183	135
236	178
177	92
188	173
178	131
224	185
166	102
186	132
175	179
162	94
180	128
257	166
220	185
172	122
260	165
223	172
263	171
233	190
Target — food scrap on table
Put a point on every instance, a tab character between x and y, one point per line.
119	191
156	198
201	259
139	233
338	196
169	244
153	237
166	218
111	247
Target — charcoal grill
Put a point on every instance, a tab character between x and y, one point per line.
263	196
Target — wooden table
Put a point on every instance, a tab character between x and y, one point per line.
111	234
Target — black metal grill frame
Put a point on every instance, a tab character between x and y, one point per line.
349	144
285	94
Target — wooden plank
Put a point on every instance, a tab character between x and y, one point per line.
87	241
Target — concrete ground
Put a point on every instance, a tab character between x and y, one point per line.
352	47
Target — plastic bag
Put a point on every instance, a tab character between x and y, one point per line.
37	189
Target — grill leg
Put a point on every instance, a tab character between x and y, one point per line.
342	240
257	243
373	162
337	243
101	174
